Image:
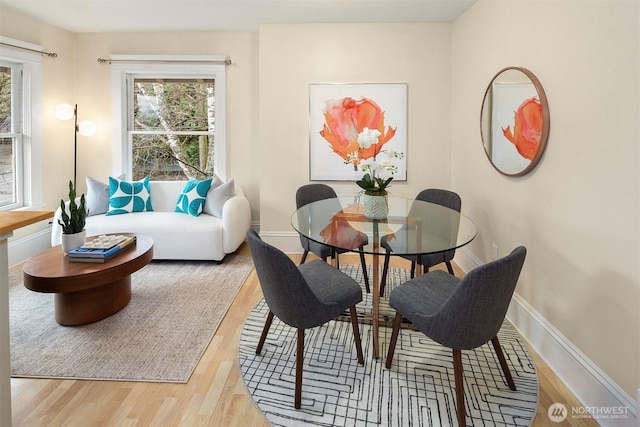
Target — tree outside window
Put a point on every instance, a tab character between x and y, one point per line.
8	134
172	128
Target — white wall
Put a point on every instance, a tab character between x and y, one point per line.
578	212
293	56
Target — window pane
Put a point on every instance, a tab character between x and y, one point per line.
170	106
7	172
5	100
174	105
172	157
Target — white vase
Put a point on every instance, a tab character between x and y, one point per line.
375	207
73	241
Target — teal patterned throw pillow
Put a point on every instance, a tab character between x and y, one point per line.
191	200
129	196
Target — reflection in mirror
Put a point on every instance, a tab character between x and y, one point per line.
514	121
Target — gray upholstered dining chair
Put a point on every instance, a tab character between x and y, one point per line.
459	314
312	193
303	297
438	196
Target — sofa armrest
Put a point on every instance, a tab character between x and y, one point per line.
236	220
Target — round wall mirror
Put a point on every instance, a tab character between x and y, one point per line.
514	121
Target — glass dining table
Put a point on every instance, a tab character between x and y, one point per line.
412	227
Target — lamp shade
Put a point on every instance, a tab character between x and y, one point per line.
86	128
64	111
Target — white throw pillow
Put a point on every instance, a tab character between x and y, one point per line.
98	196
217	182
217	197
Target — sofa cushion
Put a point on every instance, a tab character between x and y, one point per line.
175	235
98	196
217	197
129	196
192	197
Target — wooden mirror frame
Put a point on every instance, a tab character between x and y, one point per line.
486	121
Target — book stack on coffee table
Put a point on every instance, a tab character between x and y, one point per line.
102	248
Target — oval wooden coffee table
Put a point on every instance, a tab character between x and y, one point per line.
87	292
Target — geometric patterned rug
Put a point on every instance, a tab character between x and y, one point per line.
418	390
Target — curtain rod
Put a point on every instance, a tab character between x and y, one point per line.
41	52
226	61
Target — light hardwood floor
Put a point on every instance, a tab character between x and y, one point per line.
214	396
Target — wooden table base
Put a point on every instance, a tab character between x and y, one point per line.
91	305
87	292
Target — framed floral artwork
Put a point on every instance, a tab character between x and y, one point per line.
356	128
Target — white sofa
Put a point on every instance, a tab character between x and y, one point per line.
176	235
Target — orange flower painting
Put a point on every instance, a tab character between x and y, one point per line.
527	128
345	119
356	128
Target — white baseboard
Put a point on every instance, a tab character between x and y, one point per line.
287	242
466	260
608	403
24	248
591	386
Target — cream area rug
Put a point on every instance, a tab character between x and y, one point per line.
418	390
159	336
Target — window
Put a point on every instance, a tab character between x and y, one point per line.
10	133
169	118
20	153
172	128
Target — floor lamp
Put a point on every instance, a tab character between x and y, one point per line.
84	128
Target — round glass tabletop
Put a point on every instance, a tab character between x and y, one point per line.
413	227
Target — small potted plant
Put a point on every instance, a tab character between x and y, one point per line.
73	233
374	198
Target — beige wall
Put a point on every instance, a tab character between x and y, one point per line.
293	56
58	87
578	212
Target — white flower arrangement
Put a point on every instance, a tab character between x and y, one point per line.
379	173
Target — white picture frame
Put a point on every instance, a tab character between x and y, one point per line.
391	98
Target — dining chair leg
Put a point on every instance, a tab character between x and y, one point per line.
503	362
394	338
365	274
449	267
299	360
413	269
265	331
385	270
457	372
356	334
423	269
304	256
